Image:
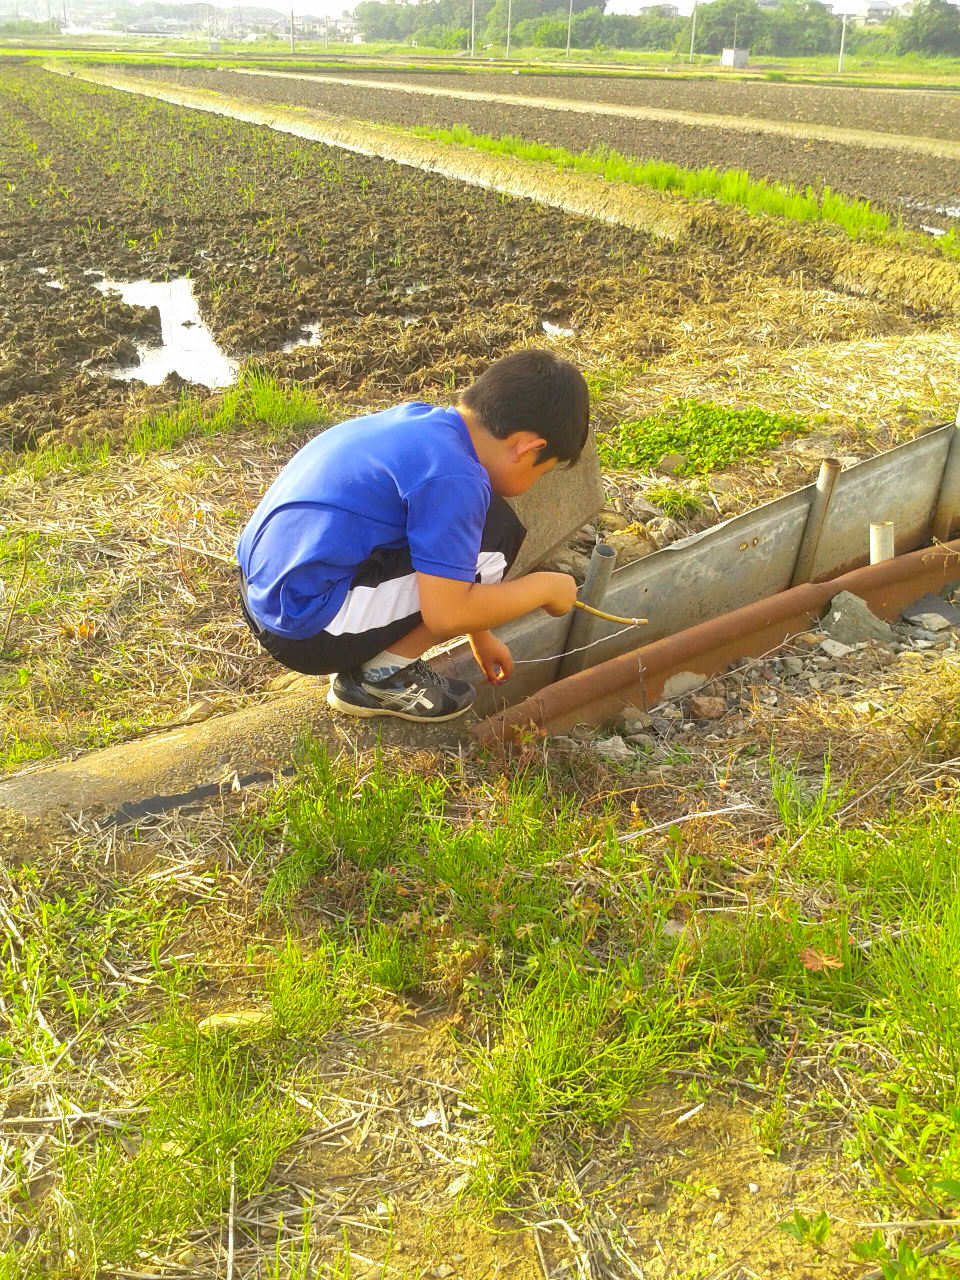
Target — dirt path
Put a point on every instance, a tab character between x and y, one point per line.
747	124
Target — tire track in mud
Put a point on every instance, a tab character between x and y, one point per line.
943	147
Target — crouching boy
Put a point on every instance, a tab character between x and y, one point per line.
389	533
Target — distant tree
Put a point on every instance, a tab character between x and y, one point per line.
440	37
27	27
495	28
654	31
587	28
798	28
384	20
932	28
725	22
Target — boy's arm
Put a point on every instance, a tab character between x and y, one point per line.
451	608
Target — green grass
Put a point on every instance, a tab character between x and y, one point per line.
505	897
679	504
257	400
576	1037
731	186
707	436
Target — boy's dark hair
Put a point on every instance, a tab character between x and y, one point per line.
534	391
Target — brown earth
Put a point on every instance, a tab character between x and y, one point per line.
908	183
416	282
906	111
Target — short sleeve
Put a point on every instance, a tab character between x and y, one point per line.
445	519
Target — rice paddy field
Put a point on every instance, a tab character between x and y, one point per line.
418	1010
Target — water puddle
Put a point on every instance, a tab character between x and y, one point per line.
309	337
186	348
556	330
53	282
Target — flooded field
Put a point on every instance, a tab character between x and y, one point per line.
414	282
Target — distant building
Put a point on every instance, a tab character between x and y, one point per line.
868	13
658	11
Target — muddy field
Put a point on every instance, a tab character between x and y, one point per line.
414	282
904	111
908	183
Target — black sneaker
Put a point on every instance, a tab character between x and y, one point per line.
415	692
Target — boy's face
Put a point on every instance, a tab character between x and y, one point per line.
516	469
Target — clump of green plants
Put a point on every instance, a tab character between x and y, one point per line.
679	504
728	186
707	436
257	400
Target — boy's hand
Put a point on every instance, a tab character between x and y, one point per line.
492	655
562	593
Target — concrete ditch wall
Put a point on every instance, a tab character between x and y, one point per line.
746	563
749	558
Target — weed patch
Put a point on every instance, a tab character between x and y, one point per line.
707	436
732	186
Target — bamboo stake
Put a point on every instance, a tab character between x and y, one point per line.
610	617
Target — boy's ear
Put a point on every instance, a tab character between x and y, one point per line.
525	442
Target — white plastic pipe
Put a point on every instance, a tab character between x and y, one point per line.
881	541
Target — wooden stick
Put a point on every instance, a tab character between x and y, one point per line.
610	617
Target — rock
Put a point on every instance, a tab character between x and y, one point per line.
202	709
834	649
850	621
642	741
663	725
930	621
444	1270
932	612
613	749
569	561
631	543
702	707
791	666
671	464
663	531
680	683
631	719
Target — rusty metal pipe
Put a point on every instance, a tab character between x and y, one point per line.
585	627
596	695
803	570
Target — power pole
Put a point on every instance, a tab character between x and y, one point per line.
693	29
509	23
293	43
473	28
569	27
843	41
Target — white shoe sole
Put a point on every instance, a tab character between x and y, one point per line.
369	713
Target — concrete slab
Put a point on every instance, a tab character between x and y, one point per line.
197	762
557	506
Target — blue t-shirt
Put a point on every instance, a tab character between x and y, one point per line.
406	476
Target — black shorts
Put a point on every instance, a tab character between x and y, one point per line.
383	604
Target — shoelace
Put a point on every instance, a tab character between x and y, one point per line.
426	673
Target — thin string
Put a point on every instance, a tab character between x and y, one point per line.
552	657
